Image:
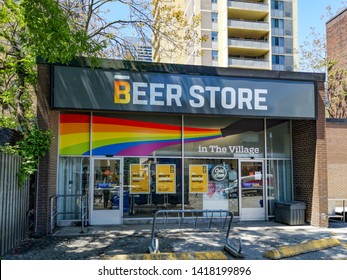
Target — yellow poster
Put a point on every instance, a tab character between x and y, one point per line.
166	178
198	178
139	179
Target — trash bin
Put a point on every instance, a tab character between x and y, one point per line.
290	212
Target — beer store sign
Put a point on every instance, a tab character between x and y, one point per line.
95	89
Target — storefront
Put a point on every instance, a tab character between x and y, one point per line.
139	139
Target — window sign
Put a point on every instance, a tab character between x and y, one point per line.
198	178
165	178
139	179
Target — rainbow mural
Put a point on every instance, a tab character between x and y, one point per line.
124	137
74	134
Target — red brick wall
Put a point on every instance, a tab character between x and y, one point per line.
310	164
47	173
336	34
337	158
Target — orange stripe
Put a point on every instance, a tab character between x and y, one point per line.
69	128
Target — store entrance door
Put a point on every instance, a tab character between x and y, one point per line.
251	188
106	192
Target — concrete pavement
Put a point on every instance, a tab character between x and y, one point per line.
260	241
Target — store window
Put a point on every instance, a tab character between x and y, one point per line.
151	184
223	137
136	135
211	184
279	183
74	134
73	182
278	138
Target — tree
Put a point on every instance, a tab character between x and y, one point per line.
315	59
59	31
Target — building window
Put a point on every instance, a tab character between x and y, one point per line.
214	17
278	41
278	59
277	23
214	36
214	1
215	55
277	5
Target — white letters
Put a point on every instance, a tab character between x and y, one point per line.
211	97
201	100
232	93
258	99
173	96
155	94
245	99
137	93
212	91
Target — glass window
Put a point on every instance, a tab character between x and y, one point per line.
214	1
278	41
276	5
160	189
214	17
277	23
279	182
214	36
136	135
73	181
278	138
74	135
215	55
223	137
221	191
278	59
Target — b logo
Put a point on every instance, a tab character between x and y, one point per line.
121	89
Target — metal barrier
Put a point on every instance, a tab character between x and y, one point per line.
83	210
205	216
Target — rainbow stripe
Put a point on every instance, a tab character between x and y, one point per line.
123	137
74	134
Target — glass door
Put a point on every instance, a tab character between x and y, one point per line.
106	203
251	190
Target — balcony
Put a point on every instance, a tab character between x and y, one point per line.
247	10
248	44
252	25
248	5
249	63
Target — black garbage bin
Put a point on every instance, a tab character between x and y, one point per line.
290	212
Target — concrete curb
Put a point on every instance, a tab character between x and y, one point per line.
212	255
293	250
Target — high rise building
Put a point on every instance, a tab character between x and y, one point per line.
137	49
257	34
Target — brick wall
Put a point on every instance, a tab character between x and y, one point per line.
47	173
310	164
337	158
336	34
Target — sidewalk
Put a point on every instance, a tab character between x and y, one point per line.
258	238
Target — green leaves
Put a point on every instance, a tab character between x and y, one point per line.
31	148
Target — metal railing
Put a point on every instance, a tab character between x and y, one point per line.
82	213
195	217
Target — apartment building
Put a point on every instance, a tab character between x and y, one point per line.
256	34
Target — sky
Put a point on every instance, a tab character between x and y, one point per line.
310	14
